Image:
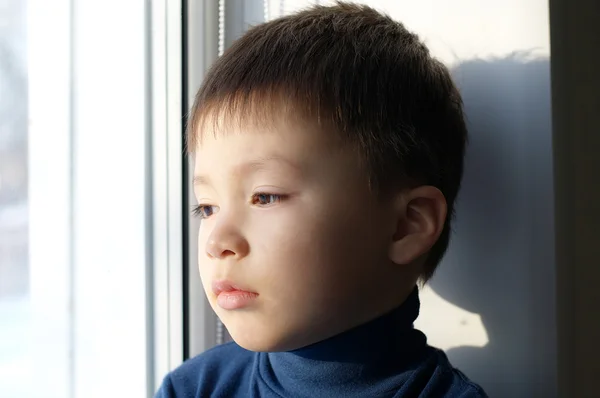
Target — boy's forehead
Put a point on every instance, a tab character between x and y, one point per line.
260	134
240	154
277	146
246	166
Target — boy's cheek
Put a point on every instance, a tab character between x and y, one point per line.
300	230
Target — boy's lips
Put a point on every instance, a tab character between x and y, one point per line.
231	296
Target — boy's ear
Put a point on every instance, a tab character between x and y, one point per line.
420	218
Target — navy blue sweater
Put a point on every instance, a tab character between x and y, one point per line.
386	357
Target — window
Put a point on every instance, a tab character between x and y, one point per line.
76	270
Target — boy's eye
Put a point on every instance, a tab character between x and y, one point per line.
259	199
204	211
265	199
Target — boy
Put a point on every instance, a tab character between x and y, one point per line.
328	155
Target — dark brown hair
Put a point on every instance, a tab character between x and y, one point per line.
353	70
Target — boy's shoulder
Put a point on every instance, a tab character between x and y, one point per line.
458	385
207	372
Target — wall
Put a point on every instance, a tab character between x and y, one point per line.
491	306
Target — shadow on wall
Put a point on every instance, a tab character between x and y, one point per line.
501	259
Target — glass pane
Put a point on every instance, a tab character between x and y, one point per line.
74	299
14	262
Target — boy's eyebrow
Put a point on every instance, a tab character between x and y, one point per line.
250	167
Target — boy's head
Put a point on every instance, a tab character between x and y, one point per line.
328	156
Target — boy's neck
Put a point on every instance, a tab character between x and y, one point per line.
364	354
385	332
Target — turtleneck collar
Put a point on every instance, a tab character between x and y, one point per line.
369	358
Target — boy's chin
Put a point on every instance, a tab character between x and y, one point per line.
263	342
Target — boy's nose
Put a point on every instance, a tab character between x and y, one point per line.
222	246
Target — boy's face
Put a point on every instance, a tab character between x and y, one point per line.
288	216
